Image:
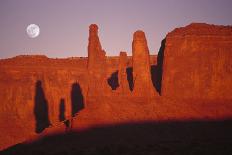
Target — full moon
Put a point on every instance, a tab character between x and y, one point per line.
33	30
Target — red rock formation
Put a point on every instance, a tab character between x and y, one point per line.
122	75
197	62
96	64
141	66
65	82
96	56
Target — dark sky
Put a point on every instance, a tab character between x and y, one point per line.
64	23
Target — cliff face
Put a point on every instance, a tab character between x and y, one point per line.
32	89
197	62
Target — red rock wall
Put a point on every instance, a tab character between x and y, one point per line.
18	90
197	62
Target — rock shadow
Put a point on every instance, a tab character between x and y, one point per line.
154	76
40	108
77	99
62	114
157	70
159	138
62	110
129	72
113	80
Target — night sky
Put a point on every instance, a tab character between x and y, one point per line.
64	23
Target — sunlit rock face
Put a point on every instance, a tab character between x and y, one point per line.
197	62
96	65
96	56
141	66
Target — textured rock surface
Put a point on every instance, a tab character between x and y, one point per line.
122	74
141	66
197	62
23	99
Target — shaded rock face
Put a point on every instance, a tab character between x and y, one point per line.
197	62
40	109
96	64
122	74
141	65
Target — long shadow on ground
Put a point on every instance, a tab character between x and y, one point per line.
173	137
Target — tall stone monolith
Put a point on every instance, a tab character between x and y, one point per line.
96	64
141	66
122	75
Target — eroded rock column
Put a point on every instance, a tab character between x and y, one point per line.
96	64
141	66
122	75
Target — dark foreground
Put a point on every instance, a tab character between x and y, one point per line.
172	137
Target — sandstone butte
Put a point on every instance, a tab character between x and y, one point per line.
190	79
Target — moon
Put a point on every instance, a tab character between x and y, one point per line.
33	30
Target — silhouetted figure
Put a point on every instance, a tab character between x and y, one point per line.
67	124
77	99
40	109
113	81
62	115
